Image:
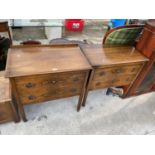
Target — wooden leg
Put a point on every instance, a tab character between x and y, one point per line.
79	103
82	92
87	88
15	113
23	114
17	99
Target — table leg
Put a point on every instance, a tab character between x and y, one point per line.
83	91
87	87
17	99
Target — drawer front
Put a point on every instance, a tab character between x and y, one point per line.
50	95
114	76
41	88
108	72
6	113
113	81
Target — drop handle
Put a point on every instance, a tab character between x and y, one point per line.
29	85
31	97
54	82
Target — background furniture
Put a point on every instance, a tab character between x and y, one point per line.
5	28
30	42
145	81
7	108
58	71
123	35
4	44
112	66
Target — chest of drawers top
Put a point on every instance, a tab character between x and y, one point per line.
43	59
104	56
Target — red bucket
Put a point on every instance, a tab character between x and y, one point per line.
74	24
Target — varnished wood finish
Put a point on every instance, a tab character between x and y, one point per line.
108	56
43	59
112	66
7	108
40	88
41	73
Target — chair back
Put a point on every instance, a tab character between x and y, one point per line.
123	35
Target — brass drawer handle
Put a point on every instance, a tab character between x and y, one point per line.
29	85
31	97
54	82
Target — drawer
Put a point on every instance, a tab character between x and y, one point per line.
121	80
42	88
6	113
108	72
48	81
36	97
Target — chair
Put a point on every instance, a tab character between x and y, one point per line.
123	35
5	28
66	41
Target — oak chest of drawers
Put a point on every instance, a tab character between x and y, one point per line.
112	66
46	72
7	108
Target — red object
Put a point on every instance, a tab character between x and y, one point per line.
74	24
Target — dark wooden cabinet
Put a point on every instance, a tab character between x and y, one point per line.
148	81
145	81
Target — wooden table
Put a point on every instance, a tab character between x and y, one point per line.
46	72
112	66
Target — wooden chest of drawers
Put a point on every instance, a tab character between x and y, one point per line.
113	66
43	73
7	108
